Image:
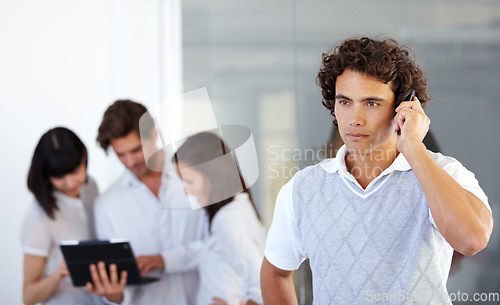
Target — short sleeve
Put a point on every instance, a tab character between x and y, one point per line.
284	247
462	176
35	234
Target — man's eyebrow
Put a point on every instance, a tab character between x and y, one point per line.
370	98
373	98
137	148
341	96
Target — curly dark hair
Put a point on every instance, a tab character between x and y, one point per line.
385	60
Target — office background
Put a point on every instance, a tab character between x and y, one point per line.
64	62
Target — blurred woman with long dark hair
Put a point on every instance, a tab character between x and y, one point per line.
230	264
62	210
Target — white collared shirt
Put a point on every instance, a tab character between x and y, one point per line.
284	247
338	164
450	165
165	225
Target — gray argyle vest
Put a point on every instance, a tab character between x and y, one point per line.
376	246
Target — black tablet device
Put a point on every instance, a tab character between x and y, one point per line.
80	254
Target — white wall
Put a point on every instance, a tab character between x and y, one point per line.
61	64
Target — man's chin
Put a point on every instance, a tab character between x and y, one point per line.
141	172
358	149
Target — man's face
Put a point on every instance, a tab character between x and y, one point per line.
129	150
364	108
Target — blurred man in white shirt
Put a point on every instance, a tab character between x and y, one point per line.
150	209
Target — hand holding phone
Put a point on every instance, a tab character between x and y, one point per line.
411	121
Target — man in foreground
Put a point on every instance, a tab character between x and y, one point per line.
380	221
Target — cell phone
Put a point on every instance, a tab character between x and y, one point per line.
411	96
408	98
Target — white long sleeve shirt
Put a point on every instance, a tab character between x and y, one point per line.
153	225
231	260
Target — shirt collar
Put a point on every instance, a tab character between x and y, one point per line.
338	163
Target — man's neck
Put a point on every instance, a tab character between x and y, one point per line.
152	179
366	167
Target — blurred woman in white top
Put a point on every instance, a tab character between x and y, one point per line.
62	210
229	266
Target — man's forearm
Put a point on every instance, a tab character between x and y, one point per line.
463	219
277	289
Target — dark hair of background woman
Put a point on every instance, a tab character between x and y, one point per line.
203	147
59	152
